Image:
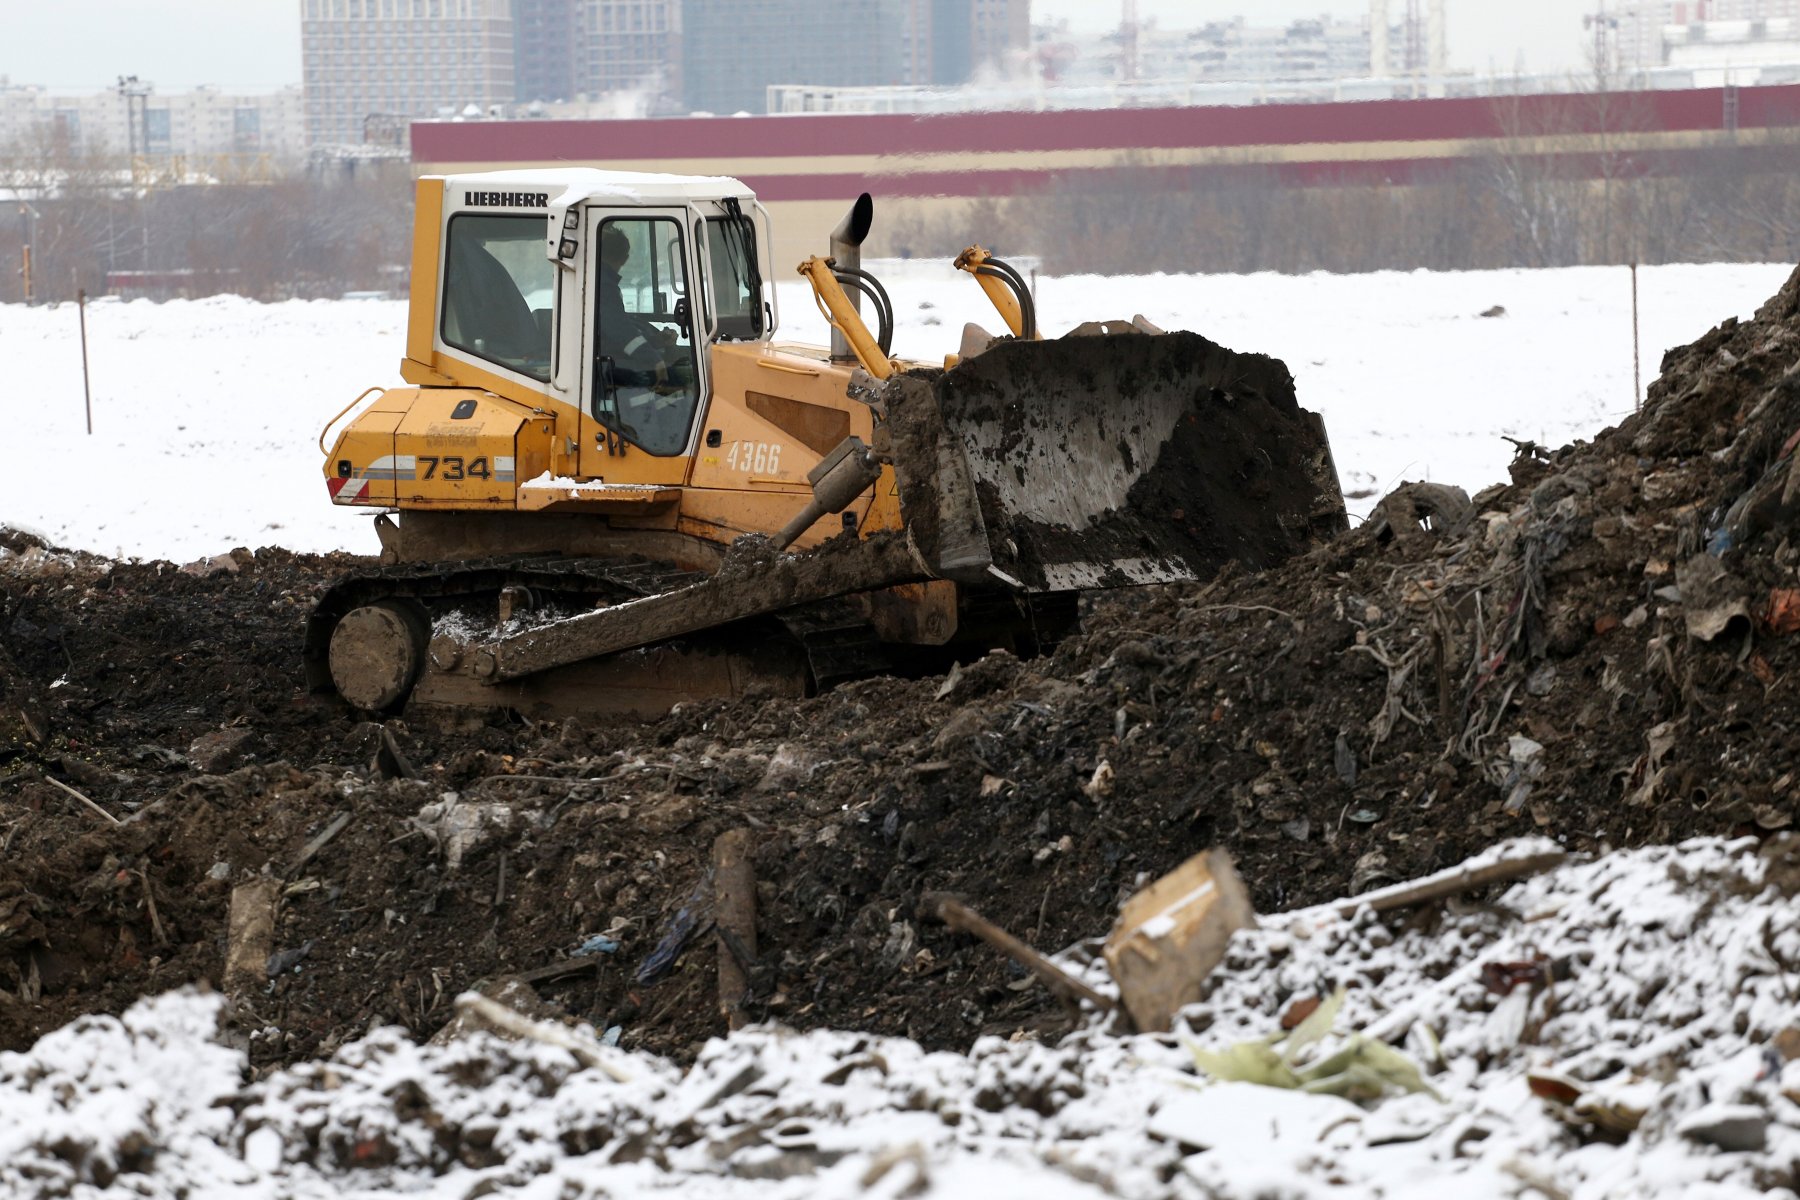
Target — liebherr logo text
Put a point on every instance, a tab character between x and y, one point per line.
508	200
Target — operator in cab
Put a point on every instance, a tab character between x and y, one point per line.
634	345
646	370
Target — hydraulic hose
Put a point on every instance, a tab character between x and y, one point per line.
868	285
1007	274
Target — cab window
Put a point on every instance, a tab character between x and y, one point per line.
736	282
645	382
498	290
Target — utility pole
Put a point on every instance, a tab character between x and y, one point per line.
29	216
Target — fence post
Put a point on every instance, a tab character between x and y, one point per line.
1637	388
87	397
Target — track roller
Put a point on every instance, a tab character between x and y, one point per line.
376	653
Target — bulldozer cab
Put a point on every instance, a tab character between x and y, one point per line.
600	291
645	381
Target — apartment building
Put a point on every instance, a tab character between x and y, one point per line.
204	122
370	66
1648	34
1317	48
634	46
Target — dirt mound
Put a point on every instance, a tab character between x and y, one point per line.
1598	651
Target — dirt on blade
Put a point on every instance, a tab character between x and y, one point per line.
1109	459
1601	650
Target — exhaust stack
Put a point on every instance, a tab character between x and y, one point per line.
846	251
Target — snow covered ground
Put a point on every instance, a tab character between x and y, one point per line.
1619	1028
207	413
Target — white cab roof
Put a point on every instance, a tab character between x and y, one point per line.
620	187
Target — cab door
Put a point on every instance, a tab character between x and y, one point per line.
644	385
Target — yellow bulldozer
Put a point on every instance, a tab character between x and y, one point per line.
607	488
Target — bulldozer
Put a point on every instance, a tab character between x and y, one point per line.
607	488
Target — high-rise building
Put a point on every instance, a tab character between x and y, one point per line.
549	49
946	42
370	66
733	50
1638	29
634	46
998	29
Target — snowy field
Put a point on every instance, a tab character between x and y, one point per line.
1627	1031
207	413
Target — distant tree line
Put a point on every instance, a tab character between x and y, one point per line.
88	215
1530	201
1483	215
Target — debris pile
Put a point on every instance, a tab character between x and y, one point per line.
1599	652
1619	1027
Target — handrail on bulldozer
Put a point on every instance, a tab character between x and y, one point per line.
1005	288
834	305
343	414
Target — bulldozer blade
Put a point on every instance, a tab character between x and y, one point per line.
1102	461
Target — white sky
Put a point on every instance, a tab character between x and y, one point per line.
79	45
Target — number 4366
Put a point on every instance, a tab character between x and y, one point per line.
756	458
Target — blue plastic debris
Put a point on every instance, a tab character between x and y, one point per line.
598	944
695	914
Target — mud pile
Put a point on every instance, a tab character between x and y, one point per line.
1599	651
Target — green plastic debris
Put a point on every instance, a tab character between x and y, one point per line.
1361	1068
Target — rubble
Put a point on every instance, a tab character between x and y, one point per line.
1553	660
1658	1039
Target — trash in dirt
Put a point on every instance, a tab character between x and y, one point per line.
1713	600
250	935
458	827
220	750
161	755
1299	1010
1360	1068
598	944
389	761
1344	760
1550	1085
1613	1107
1501	978
1733	1127
1171	935
1414	511
789	768
1782	616
283	961
206	568
694	916
1516	772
